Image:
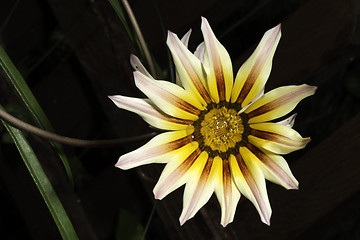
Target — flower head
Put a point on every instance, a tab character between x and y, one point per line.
221	135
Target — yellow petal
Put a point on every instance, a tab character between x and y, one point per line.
179	170
278	102
274	166
198	189
189	69
156	150
276	138
226	192
273	175
250	181
253	74
217	64
149	113
289	121
169	97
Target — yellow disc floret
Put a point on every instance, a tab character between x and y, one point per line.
221	129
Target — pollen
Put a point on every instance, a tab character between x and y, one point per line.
221	129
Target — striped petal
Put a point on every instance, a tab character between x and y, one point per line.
169	97
199	189
217	64
189	69
185	40
253	74
138	66
250	181
205	84
274	167
149	113
276	138
226	192
256	98
158	150
199	52
278	102
179	170
288	121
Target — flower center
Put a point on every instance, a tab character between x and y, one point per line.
220	130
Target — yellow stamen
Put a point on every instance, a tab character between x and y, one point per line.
221	129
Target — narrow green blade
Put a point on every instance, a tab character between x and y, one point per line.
32	104
119	11
52	201
128	226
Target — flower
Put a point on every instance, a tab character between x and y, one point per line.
221	135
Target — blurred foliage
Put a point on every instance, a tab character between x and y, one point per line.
128	226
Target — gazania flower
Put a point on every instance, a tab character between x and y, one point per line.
222	135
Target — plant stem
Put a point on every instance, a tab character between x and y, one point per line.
67	140
140	37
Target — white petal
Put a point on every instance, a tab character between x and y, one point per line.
250	181
276	167
185	38
274	175
189	69
199	189
226	192
185	41
138	66
276	138
159	149
278	102
253	74
289	122
199	52
217	64
169	97
179	170
149	113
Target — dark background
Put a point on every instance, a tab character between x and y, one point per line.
75	53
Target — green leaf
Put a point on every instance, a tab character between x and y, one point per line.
128	227
32	104
120	12
37	173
